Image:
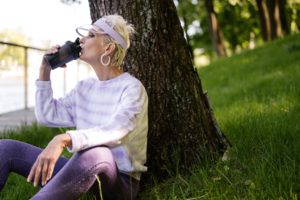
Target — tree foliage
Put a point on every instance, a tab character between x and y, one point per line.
10	55
239	21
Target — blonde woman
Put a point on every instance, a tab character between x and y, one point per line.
111	120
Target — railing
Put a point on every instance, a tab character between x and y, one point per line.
63	80
25	66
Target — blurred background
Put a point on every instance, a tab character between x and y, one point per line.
34	26
213	29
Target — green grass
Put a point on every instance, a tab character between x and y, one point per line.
255	96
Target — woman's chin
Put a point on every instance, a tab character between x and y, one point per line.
81	57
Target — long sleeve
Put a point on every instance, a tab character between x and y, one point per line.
50	111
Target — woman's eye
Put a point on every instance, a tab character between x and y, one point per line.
91	35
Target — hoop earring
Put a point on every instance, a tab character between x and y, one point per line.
101	60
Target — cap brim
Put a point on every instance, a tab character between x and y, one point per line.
85	29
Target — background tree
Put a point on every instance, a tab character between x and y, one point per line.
275	18
11	56
239	20
264	19
283	17
215	29
239	23
192	13
293	15
182	130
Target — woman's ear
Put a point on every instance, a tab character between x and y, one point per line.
110	48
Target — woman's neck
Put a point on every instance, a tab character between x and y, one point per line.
106	73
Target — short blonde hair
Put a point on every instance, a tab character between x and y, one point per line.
126	30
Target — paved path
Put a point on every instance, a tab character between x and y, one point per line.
17	118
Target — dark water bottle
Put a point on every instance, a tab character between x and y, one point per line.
66	53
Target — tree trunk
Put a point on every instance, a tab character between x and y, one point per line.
283	16
264	19
275	20
188	40
182	130
215	29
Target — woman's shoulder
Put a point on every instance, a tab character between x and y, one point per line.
132	80
134	85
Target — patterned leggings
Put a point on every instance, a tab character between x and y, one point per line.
71	178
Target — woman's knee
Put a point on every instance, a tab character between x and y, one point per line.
100	153
95	156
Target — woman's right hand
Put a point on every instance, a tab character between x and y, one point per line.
43	167
45	68
52	50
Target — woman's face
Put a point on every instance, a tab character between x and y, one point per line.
92	47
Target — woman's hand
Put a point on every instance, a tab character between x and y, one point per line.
45	162
45	68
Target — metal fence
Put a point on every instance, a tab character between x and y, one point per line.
25	66
62	79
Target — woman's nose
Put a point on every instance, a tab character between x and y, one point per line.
81	40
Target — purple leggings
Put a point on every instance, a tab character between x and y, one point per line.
71	178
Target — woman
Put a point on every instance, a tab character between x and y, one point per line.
110	116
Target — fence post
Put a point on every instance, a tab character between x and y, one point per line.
26	78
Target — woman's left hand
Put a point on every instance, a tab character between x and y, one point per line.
45	162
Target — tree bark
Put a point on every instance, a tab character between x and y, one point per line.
264	19
215	29
188	40
275	20
182	130
283	16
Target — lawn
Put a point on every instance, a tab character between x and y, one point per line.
255	96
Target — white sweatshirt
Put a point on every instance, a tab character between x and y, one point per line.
113	113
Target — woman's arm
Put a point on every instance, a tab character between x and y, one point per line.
49	111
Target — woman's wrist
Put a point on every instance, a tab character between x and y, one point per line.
65	140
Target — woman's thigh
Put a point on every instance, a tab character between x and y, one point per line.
18	157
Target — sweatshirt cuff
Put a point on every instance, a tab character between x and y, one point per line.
78	141
43	84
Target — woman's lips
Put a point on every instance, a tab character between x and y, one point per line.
81	52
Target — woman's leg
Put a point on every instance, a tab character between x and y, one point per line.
79	175
16	156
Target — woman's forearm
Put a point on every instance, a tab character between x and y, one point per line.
44	73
